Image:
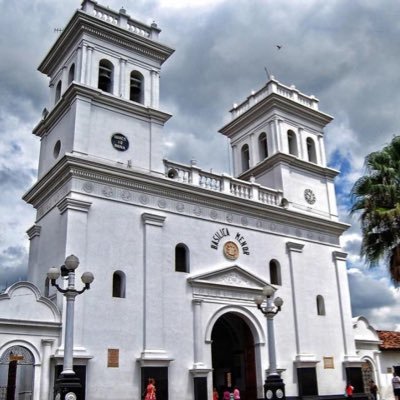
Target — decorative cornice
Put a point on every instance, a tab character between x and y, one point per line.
270	104
81	22
292	161
87	176
34	231
73	204
97	96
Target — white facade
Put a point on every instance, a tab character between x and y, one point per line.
154	233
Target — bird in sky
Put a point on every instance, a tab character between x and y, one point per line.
278	46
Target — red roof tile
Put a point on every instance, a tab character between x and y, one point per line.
390	340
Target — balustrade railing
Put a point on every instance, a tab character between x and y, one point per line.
273	86
193	175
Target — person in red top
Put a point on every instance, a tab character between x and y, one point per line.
215	394
349	390
150	390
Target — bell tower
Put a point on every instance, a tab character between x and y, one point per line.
104	92
277	140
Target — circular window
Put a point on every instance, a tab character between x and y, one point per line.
57	148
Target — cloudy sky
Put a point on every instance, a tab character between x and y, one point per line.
344	52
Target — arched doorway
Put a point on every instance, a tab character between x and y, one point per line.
233	359
16	373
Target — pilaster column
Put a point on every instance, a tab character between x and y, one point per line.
153	340
78	67
197	328
253	151
303	146
294	250
45	376
321	157
278	136
122	78
339	259
155	89
88	70
74	215
235	160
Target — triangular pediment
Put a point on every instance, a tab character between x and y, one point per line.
229	277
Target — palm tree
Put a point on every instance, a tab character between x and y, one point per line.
377	196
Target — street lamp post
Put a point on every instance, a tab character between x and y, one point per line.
274	387
68	384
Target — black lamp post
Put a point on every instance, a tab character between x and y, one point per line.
274	387
68	384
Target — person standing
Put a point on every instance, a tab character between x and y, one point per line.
236	393
215	394
373	389
226	395
396	385
349	390
151	390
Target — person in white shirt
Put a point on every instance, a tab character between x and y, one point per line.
396	386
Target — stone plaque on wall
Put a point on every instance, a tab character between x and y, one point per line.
113	358
328	363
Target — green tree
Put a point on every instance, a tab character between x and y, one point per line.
376	195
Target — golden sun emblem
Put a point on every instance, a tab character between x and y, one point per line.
231	250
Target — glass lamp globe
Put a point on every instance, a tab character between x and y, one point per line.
278	302
268	291
87	278
71	262
53	273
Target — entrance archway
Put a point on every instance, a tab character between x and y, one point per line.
233	358
16	373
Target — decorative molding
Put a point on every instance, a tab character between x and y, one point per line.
73	204
339	255
34	231
153	219
295	247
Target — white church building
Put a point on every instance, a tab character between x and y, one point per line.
178	253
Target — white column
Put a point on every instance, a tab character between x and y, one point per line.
253	151
197	342
343	296
321	156
303	148
235	160
78	66
293	250
153	338
155	89
88	71
122	79
45	375
278	136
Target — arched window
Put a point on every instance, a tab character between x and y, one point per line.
106	70
181	258
136	87
311	152
245	158
58	92
275	273
320	305
262	146
118	284
71	73
292	143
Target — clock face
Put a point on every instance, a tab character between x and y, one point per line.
269	394
309	196
231	250
279	393
70	396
